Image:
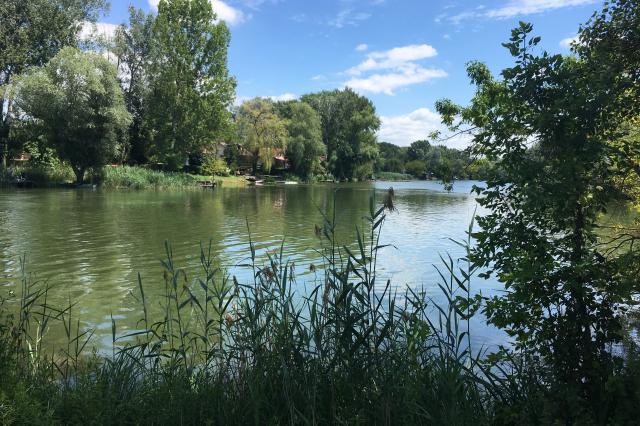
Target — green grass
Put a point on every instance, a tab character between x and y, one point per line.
352	351
226	181
391	176
142	178
121	177
41	175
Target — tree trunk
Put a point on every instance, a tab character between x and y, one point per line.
79	171
5	127
5	153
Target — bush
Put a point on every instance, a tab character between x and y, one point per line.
391	176
214	166
416	168
363	172
141	178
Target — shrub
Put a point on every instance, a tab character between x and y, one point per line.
214	166
416	168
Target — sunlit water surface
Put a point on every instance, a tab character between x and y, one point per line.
91	245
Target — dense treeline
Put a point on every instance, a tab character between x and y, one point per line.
423	160
165	99
164	94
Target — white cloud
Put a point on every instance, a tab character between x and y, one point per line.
362	47
348	17
400	69
277	98
283	97
530	7
394	58
318	77
567	42
404	129
515	8
104	29
389	83
229	14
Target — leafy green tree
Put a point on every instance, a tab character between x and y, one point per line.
416	168
549	124
391	158
304	147
349	124
262	131
77	105
418	150
191	90
133	48
31	33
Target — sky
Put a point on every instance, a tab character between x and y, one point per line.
402	54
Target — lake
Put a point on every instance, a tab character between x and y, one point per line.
91	245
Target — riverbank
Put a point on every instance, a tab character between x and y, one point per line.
114	177
394	177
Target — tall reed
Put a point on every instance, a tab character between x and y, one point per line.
352	350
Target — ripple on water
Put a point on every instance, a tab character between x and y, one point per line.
92	245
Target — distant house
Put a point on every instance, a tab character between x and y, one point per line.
20	159
279	160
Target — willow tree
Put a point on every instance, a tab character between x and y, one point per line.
555	126
304	145
191	89
76	104
261	131
31	33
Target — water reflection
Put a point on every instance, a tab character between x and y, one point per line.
92	245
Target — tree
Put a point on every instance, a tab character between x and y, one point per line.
349	124
31	33
76	103
133	49
304	146
191	91
418	150
391	158
262	131
550	124
416	168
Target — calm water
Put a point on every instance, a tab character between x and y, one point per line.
91	245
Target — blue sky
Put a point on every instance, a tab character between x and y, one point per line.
402	54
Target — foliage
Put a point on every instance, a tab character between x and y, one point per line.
304	146
262	131
75	102
133	48
418	150
214	166
44	174
31	33
391	158
392	176
349	123
550	124
125	177
416	168
191	90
